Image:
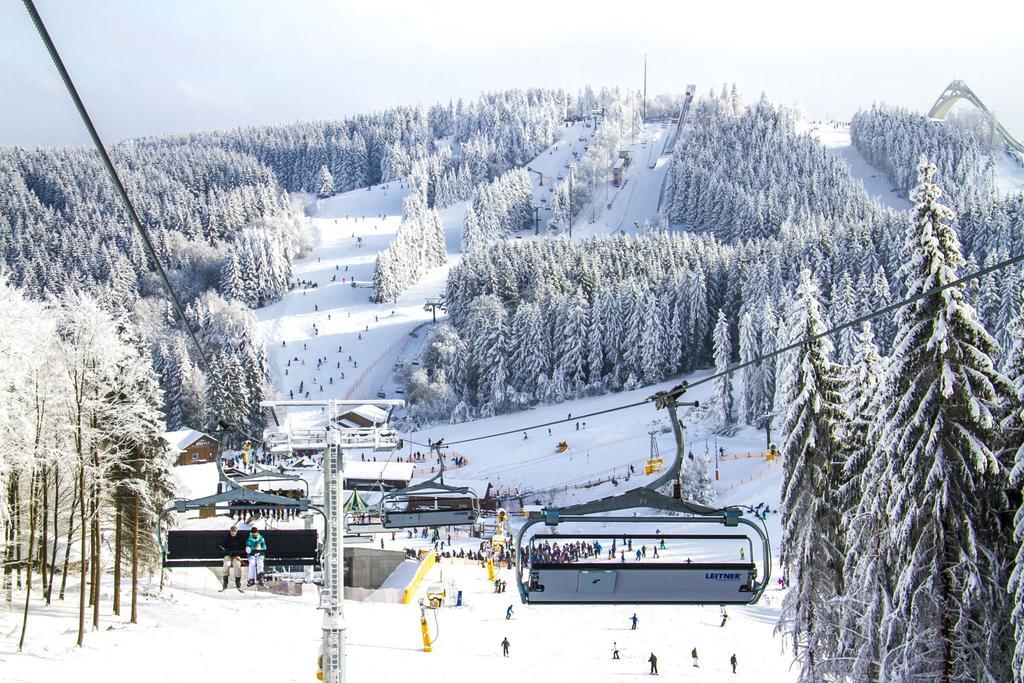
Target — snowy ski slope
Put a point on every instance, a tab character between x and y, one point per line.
189	632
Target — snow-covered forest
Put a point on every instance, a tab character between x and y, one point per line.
81	451
903	454
225	230
900	438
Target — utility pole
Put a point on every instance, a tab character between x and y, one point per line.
645	89
570	201
767	417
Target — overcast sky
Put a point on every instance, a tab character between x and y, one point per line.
153	66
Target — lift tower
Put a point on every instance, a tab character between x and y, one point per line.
323	423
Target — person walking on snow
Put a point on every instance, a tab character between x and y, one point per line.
615	650
732	661
504	646
634	620
508	613
654	664
693	653
255	547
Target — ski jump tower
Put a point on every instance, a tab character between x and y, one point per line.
959	90
323	423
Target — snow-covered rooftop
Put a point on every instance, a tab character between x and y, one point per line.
183	438
391	471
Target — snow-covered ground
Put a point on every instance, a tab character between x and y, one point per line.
1009	174
190	632
836	138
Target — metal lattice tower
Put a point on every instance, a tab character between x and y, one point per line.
325	426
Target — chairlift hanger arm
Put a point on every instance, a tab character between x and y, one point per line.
643	497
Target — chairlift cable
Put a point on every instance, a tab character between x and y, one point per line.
678	390
118	184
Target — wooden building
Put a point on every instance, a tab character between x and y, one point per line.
191	447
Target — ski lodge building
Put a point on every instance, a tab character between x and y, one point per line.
191	447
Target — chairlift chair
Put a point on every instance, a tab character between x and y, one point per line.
430	503
649	581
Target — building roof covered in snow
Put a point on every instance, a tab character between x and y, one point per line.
183	438
362	416
371	475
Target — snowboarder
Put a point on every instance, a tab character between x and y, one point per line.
693	653
255	547
654	664
508	613
732	661
525	437
634	620
232	546
615	650
504	646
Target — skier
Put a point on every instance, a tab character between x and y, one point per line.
508	613
504	646
525	437
255	546
732	660
615	650
654	664
693	653
742	554
634	620
232	546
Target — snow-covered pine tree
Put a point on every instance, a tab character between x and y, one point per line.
750	410
949	618
722	396
1013	445
324	183
812	549
863	380
231	285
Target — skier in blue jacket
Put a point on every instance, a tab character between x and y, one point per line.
255	547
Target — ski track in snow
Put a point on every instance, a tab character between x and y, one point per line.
836	139
211	636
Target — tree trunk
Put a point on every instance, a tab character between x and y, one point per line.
96	546
44	528
8	584
81	590
16	502
135	562
117	554
33	509
67	546
53	552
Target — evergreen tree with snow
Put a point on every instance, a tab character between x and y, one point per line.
324	183
1013	444
722	396
941	482
750	410
812	549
